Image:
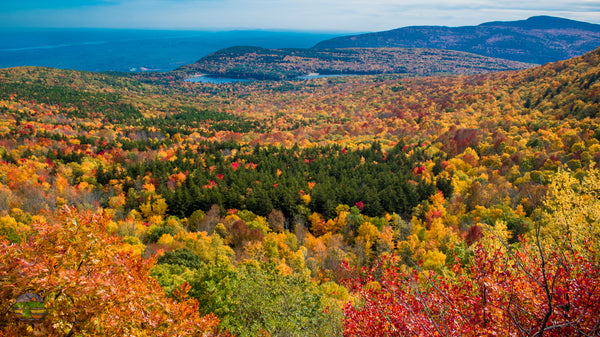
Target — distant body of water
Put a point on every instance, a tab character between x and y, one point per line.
225	80
132	50
313	76
215	80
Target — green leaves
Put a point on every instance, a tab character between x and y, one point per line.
282	305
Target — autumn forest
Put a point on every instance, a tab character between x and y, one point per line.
374	205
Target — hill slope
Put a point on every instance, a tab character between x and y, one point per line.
539	39
278	64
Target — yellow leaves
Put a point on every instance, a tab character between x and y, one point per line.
492	213
315	245
368	231
572	219
270	244
297	260
132	246
305	199
367	235
208	248
162	154
334	290
595	148
155	206
433	260
317	223
146	209
166	239
11	229
149	188
373	286
284	269
495	237
177	138
260	223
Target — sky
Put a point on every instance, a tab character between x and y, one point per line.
303	15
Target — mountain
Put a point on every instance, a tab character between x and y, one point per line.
539	39
279	64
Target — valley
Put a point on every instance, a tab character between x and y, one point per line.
433	191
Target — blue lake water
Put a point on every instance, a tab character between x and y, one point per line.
224	80
215	80
314	75
132	50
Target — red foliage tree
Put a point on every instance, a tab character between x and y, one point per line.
529	292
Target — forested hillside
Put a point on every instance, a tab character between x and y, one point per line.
539	39
356	206
288	64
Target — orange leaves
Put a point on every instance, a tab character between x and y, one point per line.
89	285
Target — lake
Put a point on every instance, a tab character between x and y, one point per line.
215	80
225	80
312	76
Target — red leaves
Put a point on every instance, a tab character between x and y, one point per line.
419	170
501	295
211	184
473	235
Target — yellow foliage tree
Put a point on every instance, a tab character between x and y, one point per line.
366	238
572	211
155	206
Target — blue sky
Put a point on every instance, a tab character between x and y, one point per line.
316	15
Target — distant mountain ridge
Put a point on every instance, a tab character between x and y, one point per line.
539	39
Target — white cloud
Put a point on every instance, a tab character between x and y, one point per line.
345	15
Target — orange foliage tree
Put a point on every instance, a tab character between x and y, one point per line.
90	287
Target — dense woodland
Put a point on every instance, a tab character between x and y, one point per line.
281	64
357	206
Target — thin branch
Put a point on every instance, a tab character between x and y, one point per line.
440	292
513	318
515	257
426	308
597	327
545	286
